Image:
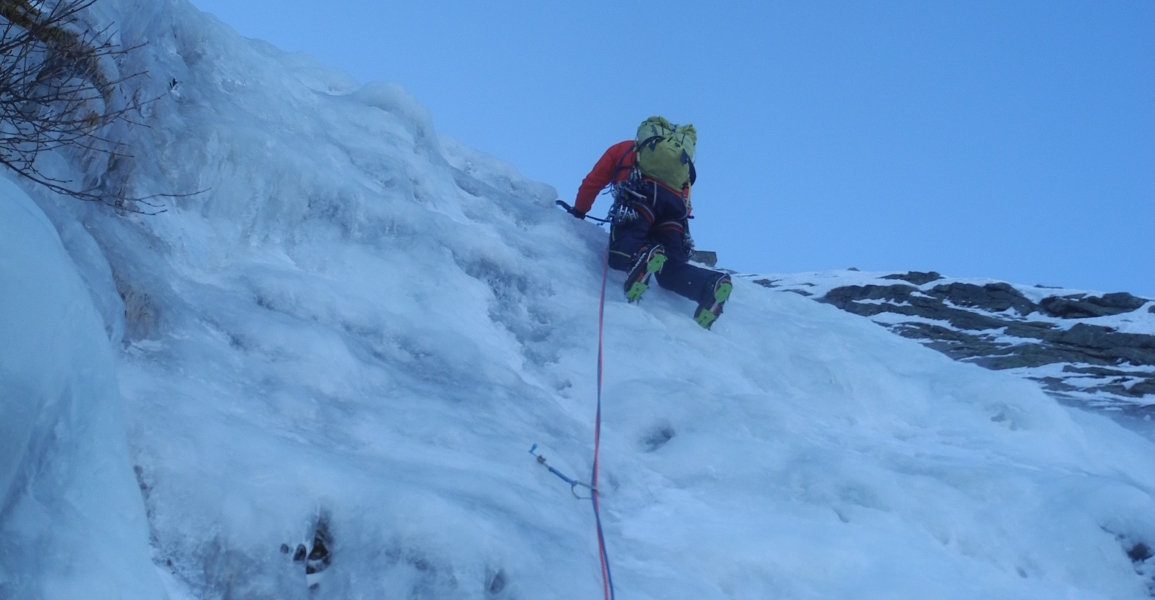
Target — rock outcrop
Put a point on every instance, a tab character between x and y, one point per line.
1097	349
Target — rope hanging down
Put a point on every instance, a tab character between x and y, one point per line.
607	579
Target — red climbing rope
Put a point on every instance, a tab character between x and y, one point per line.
607	580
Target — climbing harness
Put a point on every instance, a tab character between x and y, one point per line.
625	195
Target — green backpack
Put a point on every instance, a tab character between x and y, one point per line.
665	151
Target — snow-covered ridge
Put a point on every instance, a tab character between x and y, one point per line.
1083	346
355	335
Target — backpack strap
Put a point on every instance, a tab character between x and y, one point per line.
652	141
618	169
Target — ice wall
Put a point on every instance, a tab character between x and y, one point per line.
362	323
71	517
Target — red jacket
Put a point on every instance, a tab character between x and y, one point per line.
615	165
621	153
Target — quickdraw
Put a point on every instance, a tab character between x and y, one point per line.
573	483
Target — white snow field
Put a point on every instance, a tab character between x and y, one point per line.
363	322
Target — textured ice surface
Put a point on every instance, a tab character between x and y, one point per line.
71	518
363	323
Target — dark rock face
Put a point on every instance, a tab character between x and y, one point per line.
915	277
1080	306
706	257
996	326
993	297
942	303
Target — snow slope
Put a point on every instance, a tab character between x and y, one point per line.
365	323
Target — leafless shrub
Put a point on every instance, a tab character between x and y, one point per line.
56	94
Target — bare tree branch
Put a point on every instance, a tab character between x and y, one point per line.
54	95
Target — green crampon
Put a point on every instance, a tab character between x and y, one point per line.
636	291
656	263
706	316
722	294
638	288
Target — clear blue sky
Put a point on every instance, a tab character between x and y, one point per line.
1004	139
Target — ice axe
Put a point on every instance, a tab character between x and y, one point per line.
569	209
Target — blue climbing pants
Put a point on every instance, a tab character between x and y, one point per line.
660	217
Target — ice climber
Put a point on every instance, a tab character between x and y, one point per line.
651	177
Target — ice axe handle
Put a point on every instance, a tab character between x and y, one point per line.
569	209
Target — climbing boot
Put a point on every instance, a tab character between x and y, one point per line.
649	261
711	306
